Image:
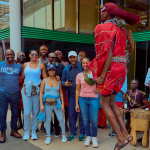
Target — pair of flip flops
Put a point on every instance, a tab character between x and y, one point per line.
123	143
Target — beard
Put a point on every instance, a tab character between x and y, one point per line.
22	61
43	54
10	60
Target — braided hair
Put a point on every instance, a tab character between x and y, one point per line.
114	10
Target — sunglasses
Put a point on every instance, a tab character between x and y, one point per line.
54	57
32	54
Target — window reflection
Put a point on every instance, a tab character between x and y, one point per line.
65	15
89	17
137	7
37	14
4	14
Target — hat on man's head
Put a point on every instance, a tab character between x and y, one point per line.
72	53
51	66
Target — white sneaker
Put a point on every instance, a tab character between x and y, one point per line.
33	135
95	142
64	139
48	140
87	141
26	135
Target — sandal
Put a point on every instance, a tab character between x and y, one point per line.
43	129
122	145
129	138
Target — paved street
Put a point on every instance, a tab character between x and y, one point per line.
105	142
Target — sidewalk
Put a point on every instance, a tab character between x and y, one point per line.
105	142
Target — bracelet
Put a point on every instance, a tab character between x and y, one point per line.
62	101
76	102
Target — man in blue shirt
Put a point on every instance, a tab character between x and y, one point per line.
9	93
69	82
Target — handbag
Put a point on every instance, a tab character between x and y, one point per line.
50	101
33	92
89	81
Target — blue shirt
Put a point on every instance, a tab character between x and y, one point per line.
119	97
9	77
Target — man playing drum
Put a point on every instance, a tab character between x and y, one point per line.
135	100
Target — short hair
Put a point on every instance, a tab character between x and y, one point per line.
32	51
135	80
8	50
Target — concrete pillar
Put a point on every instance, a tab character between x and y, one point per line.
1	54
15	25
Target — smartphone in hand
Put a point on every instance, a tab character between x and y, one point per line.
70	80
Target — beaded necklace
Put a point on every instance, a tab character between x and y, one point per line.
134	98
43	61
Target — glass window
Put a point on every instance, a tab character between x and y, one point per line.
65	15
88	17
4	14
118	2
37	13
137	7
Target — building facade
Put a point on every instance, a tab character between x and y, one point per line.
69	25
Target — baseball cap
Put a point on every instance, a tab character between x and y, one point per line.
51	66
72	53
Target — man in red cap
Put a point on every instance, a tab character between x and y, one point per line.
109	65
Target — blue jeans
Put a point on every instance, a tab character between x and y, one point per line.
73	117
89	108
13	99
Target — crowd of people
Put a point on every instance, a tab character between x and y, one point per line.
47	85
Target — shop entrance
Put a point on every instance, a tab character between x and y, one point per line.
142	64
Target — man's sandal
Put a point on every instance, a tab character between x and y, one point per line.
129	138
122	145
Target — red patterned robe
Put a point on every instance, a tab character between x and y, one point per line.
115	76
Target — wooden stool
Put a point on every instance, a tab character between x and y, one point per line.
140	122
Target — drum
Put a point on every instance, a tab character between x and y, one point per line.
140	122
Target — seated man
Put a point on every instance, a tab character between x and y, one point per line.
135	100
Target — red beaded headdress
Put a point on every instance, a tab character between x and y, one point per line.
114	10
43	47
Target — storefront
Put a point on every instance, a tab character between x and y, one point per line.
69	25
